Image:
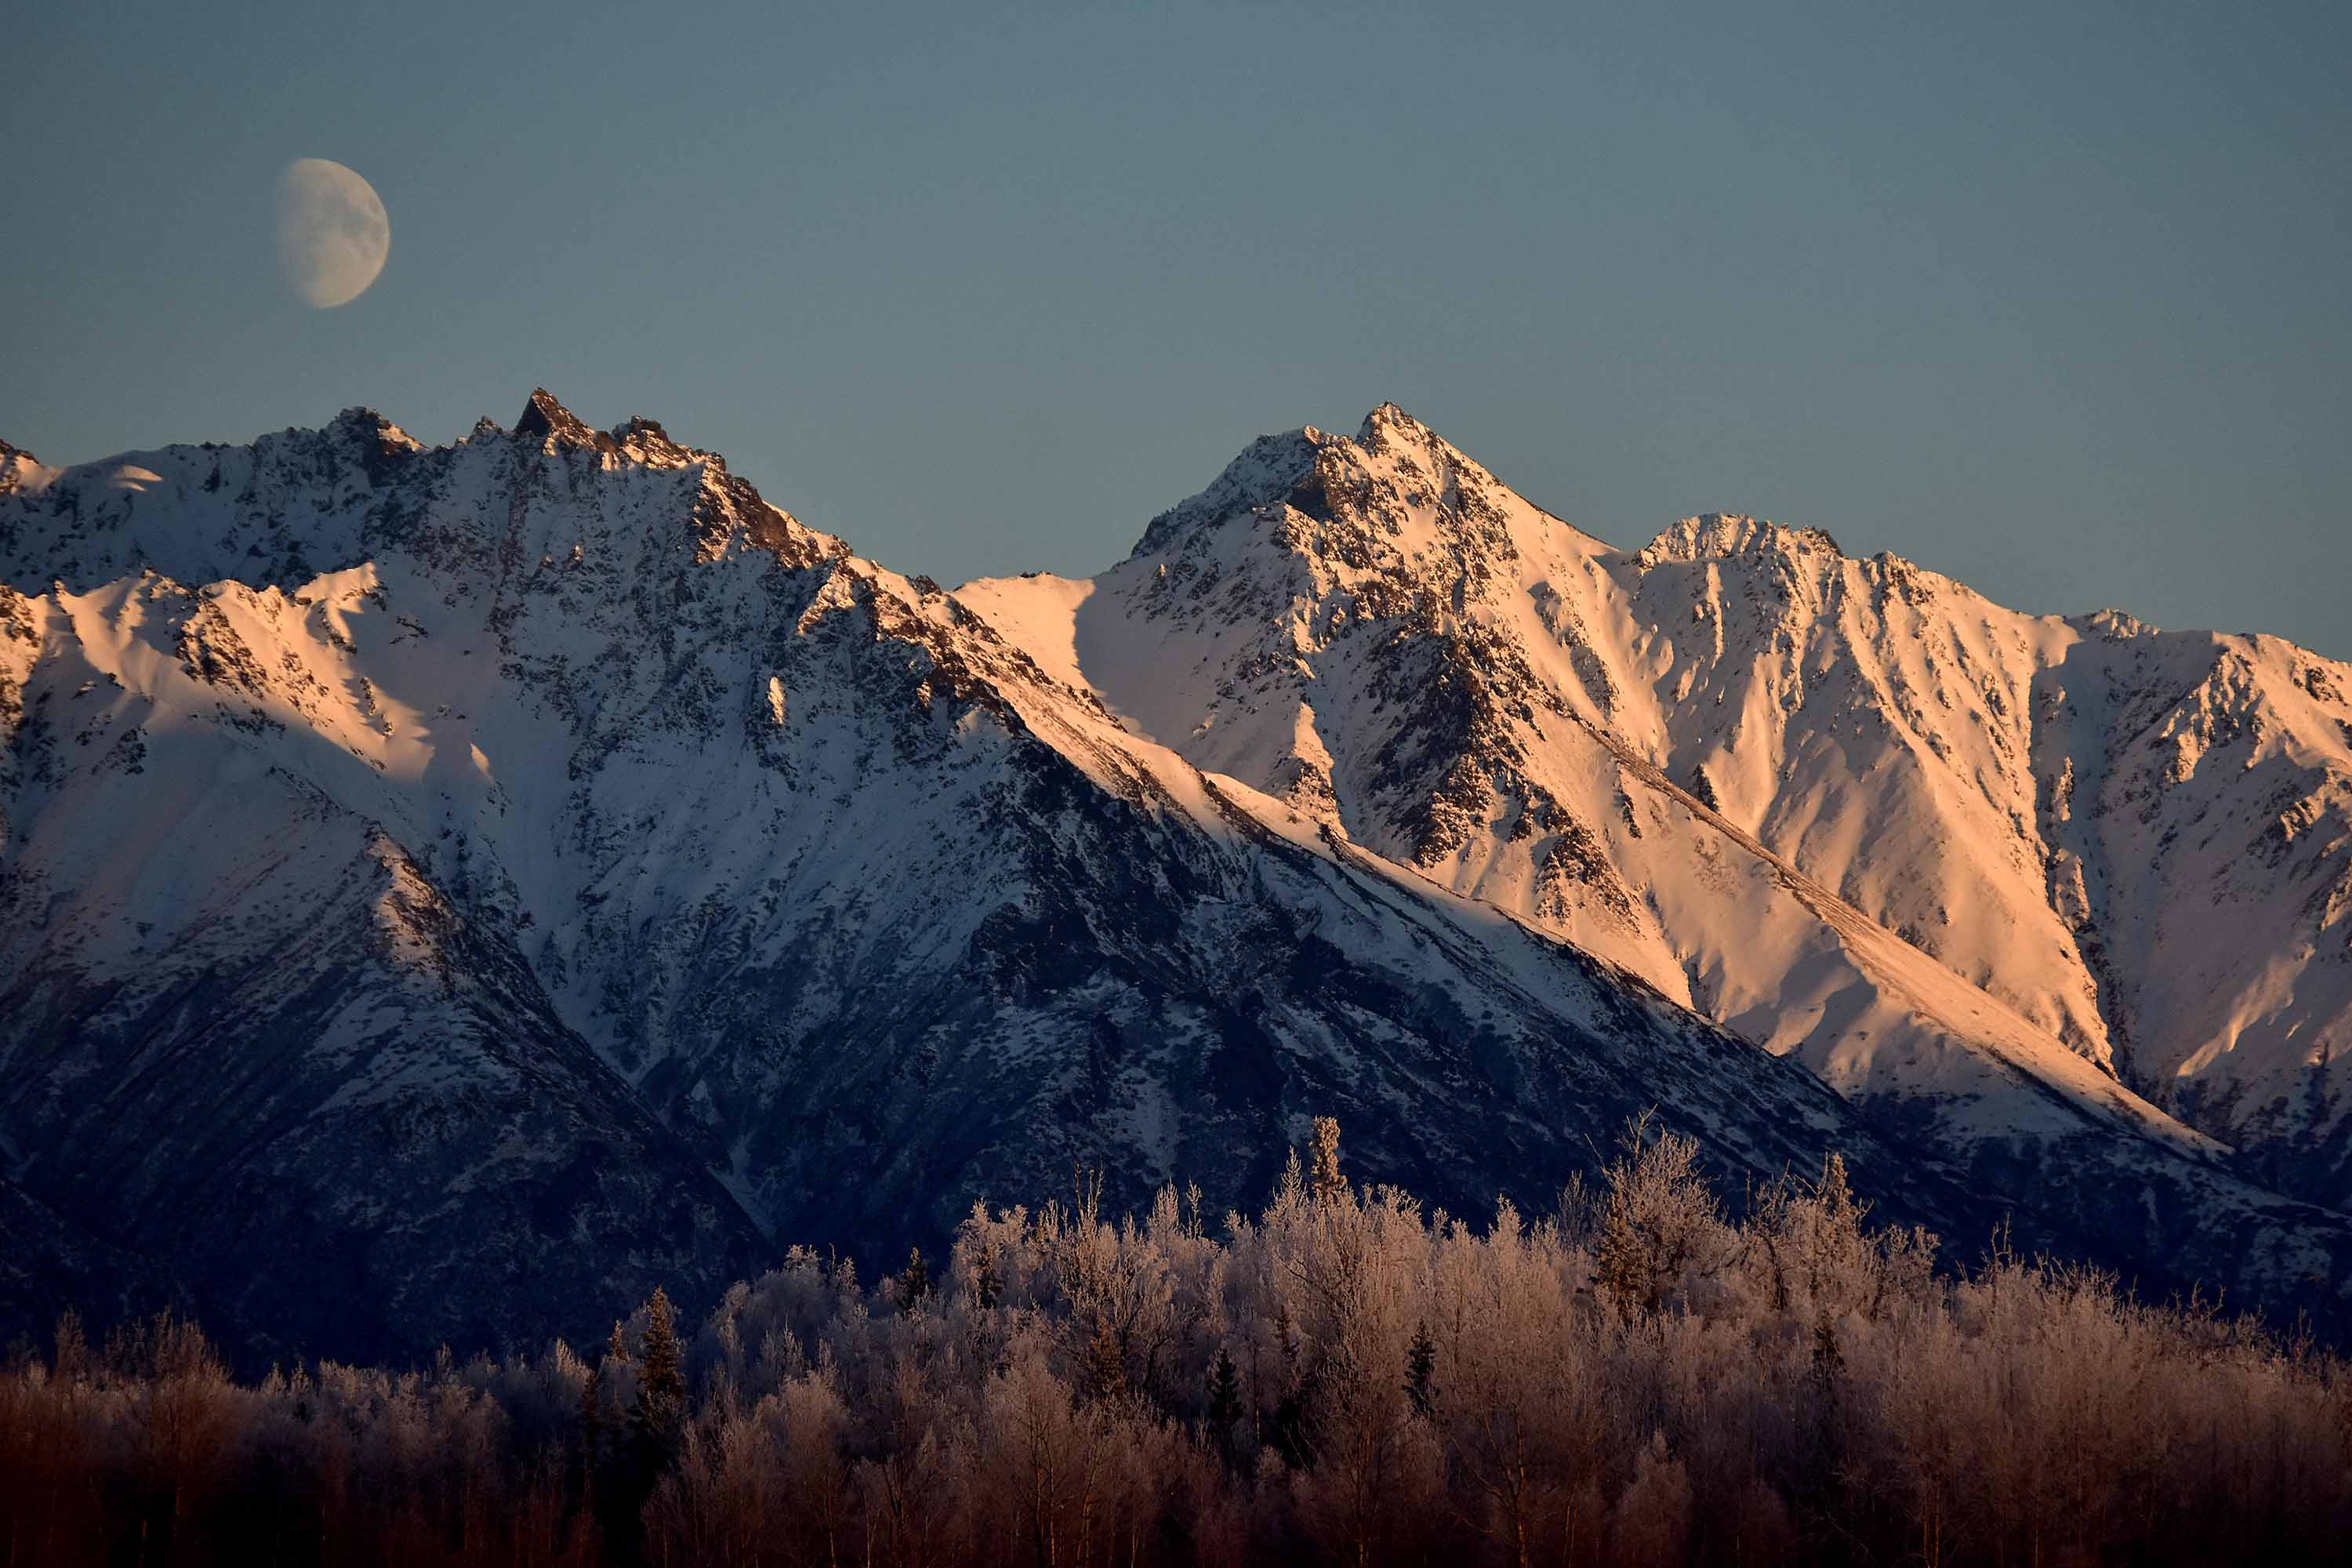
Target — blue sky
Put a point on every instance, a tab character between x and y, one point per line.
2056	299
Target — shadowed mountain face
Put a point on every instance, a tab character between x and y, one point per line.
445	892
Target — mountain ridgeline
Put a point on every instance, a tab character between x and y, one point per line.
445	891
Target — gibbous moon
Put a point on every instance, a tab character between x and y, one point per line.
332	233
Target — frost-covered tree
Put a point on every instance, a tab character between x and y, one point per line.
1328	1184
1340	1376
1658	1217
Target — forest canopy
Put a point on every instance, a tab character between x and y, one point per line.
1345	1376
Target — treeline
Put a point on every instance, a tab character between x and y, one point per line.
1630	1379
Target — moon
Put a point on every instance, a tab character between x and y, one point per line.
333	232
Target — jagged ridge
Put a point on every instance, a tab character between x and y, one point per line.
554	869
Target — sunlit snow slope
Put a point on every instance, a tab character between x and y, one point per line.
444	891
1849	808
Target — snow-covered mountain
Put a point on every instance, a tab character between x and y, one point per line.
444	890
2107	855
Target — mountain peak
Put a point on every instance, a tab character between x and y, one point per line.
378	444
1722	535
1388	416
1392	456
2115	626
645	441
1368	781
17	465
544	418
1263	472
366	424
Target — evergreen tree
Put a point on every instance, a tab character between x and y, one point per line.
1818	1495
1839	1210
916	1282
1103	1368
1224	1391
591	1423
72	1362
988	1285
659	1414
618	1479
1327	1185
1420	1364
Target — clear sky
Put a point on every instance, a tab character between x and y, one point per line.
2056	298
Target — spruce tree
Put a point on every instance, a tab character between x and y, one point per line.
1103	1368
1224	1391
916	1282
660	1411
72	1362
592	1424
988	1285
1420	1365
1326	1181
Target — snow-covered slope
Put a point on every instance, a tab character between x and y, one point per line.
444	891
1849	808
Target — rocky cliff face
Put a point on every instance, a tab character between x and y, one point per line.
445	891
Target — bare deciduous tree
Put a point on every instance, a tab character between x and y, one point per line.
1340	1377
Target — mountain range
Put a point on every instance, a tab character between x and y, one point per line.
446	891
